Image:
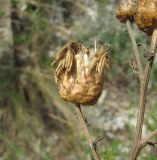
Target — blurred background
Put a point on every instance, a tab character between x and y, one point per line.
35	123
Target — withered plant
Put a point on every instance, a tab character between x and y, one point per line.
144	14
79	76
79	72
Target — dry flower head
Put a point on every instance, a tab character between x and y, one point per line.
126	11
146	15
79	72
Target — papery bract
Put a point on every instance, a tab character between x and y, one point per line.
126	11
146	16
79	72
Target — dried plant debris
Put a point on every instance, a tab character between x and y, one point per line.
146	15
133	65
126	10
79	72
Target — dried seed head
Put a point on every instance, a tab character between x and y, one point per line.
146	16
126	11
79	72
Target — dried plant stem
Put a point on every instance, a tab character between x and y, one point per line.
144	143
135	48
148	138
86	131
143	93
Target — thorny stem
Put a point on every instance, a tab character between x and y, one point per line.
86	131
135	48
143	93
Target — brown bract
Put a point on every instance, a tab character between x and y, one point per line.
126	11
79	72
146	16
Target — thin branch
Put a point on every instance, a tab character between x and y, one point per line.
135	48
144	86
86	131
144	143
148	138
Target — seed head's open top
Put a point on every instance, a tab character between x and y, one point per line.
126	10
146	15
79	72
